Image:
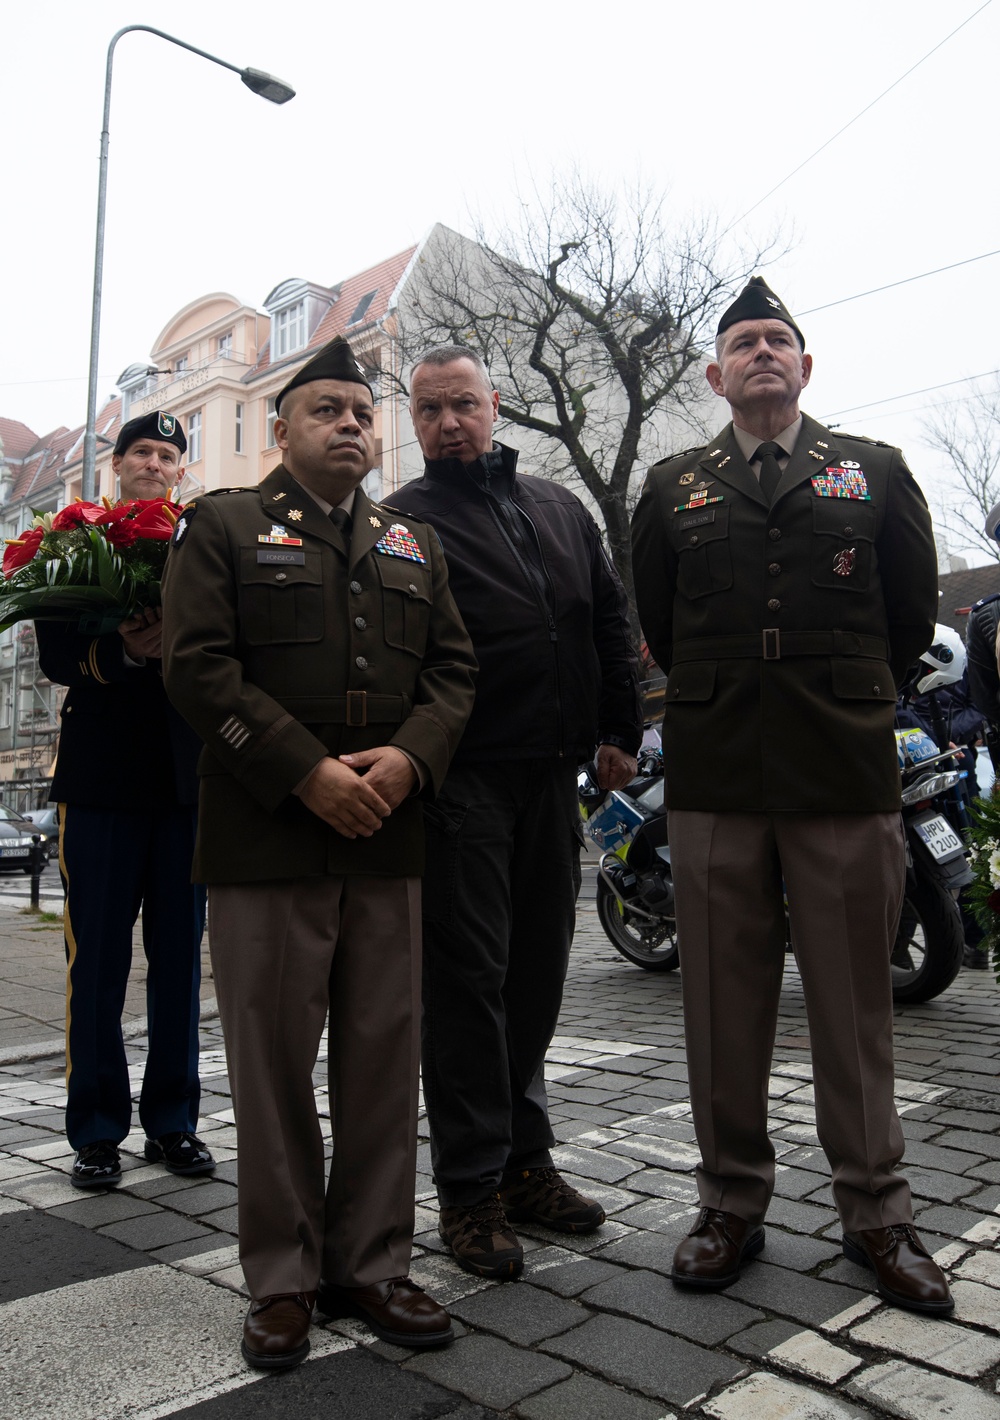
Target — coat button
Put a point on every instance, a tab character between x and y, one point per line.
848	531
360	623
361	663
876	690
774	534
355	587
281	576
693	539
413	588
774	568
774	604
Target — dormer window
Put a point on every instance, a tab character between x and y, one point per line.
135	383
288	330
362	306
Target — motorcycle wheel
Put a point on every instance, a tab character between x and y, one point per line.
651	945
927	955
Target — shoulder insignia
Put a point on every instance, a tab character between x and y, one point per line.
184	521
863	439
985	601
219	492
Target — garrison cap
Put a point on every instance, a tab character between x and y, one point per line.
157	425
758	302
334	362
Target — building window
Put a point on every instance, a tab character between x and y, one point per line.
182	363
194	437
362	307
6	704
238	437
269	426
225	346
288	330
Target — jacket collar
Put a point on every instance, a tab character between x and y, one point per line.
815	449
281	496
495	472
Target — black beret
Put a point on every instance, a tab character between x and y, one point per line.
334	362
758	302
158	425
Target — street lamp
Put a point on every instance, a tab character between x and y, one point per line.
268	87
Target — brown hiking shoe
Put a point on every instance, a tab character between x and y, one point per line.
544	1197
481	1239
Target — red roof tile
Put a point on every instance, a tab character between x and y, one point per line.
382	279
17	439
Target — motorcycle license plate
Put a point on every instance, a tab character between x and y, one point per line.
939	836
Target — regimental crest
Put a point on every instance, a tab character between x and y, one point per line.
685	479
839	481
400	542
843	563
166	424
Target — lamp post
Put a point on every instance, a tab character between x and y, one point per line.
268	87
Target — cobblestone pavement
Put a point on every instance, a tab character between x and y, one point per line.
127	1303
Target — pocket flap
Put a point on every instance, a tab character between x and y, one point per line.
694	680
405	576
861	679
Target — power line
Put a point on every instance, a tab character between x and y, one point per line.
851	121
928	389
905	280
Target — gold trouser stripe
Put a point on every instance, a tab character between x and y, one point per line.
70	939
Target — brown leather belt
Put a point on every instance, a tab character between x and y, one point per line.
356	709
773	644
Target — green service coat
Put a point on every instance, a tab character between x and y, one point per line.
846	588
263	642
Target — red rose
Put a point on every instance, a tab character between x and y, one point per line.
77	515
21	551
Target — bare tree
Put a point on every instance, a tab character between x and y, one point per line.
968	434
594	318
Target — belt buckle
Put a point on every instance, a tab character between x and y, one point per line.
772	643
357	709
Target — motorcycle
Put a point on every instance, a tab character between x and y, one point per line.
635	895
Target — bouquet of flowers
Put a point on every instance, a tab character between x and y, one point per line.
97	563
984	891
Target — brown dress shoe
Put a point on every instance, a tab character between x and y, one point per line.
276	1331
715	1249
906	1274
398	1311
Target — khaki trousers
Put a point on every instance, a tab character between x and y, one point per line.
283	954
844	878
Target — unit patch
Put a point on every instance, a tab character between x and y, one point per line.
183	523
841	481
400	542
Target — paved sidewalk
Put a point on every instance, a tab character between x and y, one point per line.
126	1304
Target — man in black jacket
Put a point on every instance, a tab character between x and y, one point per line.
126	788
557	679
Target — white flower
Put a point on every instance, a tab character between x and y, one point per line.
995	867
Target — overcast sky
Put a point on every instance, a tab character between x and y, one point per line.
408	114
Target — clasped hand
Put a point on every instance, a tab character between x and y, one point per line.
143	634
354	803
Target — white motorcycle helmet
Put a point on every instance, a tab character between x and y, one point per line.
946	658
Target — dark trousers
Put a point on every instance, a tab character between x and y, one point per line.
500	889
114	861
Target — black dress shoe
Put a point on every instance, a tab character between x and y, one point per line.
97	1165
718	1245
398	1311
906	1274
182	1154
276	1331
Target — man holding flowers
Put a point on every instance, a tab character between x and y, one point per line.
126	788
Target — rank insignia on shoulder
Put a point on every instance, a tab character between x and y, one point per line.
839	481
685	478
400	542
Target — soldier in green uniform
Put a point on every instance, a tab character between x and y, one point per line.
786	579
311	640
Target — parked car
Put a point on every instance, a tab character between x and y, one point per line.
46	822
15	841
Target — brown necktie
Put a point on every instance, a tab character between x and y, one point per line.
341	519
770	473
